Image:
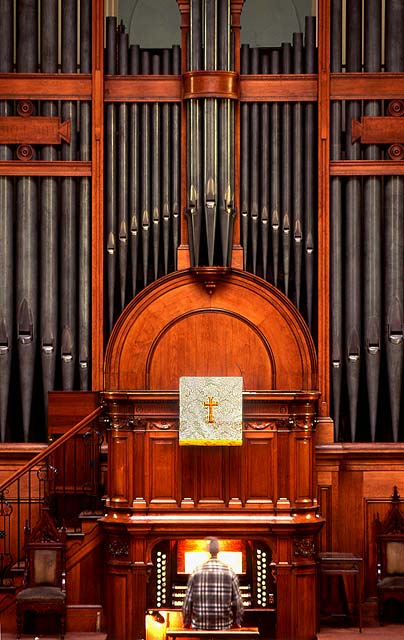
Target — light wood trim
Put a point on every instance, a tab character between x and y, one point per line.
211	84
366	86
97	195
45	168
323	206
278	88
150	88
45	86
366	168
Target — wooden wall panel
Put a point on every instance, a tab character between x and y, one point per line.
211	477
120	466
67	408
305	609
284	472
162	468
303	468
355	482
189	463
234	475
213	333
138	465
202	333
120	593
259	461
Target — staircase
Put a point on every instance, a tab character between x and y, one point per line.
66	477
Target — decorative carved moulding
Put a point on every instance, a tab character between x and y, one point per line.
210	276
211	84
268	410
33	130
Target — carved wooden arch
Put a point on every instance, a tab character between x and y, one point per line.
176	327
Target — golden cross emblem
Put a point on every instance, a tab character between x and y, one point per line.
211	403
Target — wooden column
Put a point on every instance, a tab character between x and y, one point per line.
323	205
97	195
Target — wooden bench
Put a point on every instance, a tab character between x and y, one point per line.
213	634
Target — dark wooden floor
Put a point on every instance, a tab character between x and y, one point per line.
388	632
70	635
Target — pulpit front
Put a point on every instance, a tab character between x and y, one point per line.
164	500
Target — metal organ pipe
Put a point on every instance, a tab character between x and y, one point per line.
245	155
309	170
286	196
393	226
254	164
155	172
265	207
84	260
49	215
134	170
336	242
6	227
210	132
275	171
210	189
176	159
166	147
145	156
297	118
69	208
353	224
194	188
226	158
110	173
27	235
123	169
372	225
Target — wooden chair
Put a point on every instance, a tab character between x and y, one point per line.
44	588
390	555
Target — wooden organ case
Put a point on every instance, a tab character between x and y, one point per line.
258	497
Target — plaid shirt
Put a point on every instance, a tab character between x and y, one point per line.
212	596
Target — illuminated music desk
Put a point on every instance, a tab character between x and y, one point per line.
213	634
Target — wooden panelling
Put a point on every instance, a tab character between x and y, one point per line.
120	466
162	467
259	450
273	463
175	318
304	584
212	473
303	468
67	408
355	482
213	330
119	622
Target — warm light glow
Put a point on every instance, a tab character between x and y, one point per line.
156	630
194	558
192	553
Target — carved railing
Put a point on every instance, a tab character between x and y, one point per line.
66	478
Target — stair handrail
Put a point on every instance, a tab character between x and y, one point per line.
51	448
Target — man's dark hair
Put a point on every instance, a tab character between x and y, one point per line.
214	547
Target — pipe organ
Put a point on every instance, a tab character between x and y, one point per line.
219	167
210	208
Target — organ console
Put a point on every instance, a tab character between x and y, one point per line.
174	560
